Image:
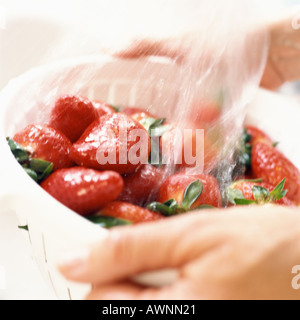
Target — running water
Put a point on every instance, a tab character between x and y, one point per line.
221	54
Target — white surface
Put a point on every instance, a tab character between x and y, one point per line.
22	279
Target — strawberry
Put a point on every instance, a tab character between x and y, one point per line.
182	192
256	134
204	113
46	143
110	143
129	212
271	165
83	190
247	192
37	169
250	135
103	108
142	186
137	114
72	115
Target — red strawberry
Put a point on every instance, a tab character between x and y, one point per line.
250	135
247	192
142	186
72	115
84	190
204	113
110	143
46	143
191	191
271	165
257	134
130	212
103	108
137	114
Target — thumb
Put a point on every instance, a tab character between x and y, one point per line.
128	251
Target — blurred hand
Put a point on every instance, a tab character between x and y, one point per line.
283	63
227	254
284	55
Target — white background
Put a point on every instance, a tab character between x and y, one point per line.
33	32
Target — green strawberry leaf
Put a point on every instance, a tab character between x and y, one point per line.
246	149
159	131
24	228
151	123
108	222
31	174
155	127
41	167
278	192
246	137
244	202
191	194
46	173
233	194
167	210
275	144
18	151
260	194
37	169
157	123
172	204
117	109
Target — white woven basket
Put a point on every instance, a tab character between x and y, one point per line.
28	99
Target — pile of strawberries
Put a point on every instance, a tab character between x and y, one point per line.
62	157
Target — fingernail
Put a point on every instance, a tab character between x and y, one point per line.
75	263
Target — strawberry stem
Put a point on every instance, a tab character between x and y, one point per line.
37	169
108	222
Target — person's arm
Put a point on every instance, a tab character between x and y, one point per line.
227	254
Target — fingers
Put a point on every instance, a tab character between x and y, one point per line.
148	47
271	79
284	54
171	243
129	291
128	251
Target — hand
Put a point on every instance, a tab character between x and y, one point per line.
284	54
283	64
226	254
